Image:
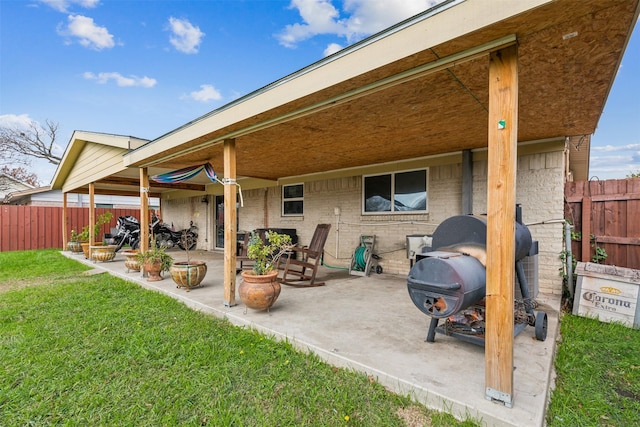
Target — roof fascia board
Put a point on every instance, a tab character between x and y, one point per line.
416	35
77	143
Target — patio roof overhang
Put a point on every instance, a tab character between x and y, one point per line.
418	89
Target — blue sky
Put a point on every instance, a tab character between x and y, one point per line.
145	67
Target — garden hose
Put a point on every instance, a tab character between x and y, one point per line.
331	266
359	257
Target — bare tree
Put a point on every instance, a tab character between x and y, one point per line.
22	175
19	144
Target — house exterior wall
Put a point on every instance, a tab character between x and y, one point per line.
178	213
95	160
539	190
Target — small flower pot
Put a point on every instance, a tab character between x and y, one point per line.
74	247
154	270
131	260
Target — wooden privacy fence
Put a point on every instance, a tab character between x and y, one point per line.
40	227
606	214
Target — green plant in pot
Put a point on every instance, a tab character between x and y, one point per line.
155	261
188	274
260	287
74	242
83	236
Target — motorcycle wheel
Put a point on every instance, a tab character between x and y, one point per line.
120	243
135	244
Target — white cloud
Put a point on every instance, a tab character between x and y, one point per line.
88	33
332	48
205	94
614	162
63	5
121	80
610	148
361	18
186	37
15	121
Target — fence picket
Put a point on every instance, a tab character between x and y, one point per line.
607	210
40	227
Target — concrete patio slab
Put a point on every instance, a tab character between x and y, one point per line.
369	324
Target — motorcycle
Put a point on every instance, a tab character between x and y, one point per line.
128	232
165	236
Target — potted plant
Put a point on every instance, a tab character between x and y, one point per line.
260	287
188	274
154	261
83	236
74	242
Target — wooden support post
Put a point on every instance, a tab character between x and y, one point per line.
144	210
586	229
230	222
501	198
65	225
92	216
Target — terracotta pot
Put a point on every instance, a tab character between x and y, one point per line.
153	269
188	275
131	260
103	253
259	292
74	247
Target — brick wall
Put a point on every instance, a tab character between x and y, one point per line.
539	190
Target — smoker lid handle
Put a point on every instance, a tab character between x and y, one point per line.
448	286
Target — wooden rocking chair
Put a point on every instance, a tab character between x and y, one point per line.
242	255
309	260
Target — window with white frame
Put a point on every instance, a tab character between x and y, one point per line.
397	192
293	200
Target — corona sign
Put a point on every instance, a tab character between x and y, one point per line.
607	293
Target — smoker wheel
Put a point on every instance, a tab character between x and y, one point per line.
541	326
378	269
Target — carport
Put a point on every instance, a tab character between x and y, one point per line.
463	75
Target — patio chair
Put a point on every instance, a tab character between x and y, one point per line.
310	257
242	255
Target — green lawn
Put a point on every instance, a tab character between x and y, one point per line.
100	351
598	375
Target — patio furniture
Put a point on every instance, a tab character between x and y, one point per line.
242	255
309	259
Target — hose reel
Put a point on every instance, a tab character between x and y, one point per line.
363	258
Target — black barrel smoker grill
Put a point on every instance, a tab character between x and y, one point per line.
448	280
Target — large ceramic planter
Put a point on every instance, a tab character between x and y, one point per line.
131	260
103	253
188	274
259	292
153	270
75	247
85	248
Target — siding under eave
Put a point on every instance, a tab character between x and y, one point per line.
96	161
